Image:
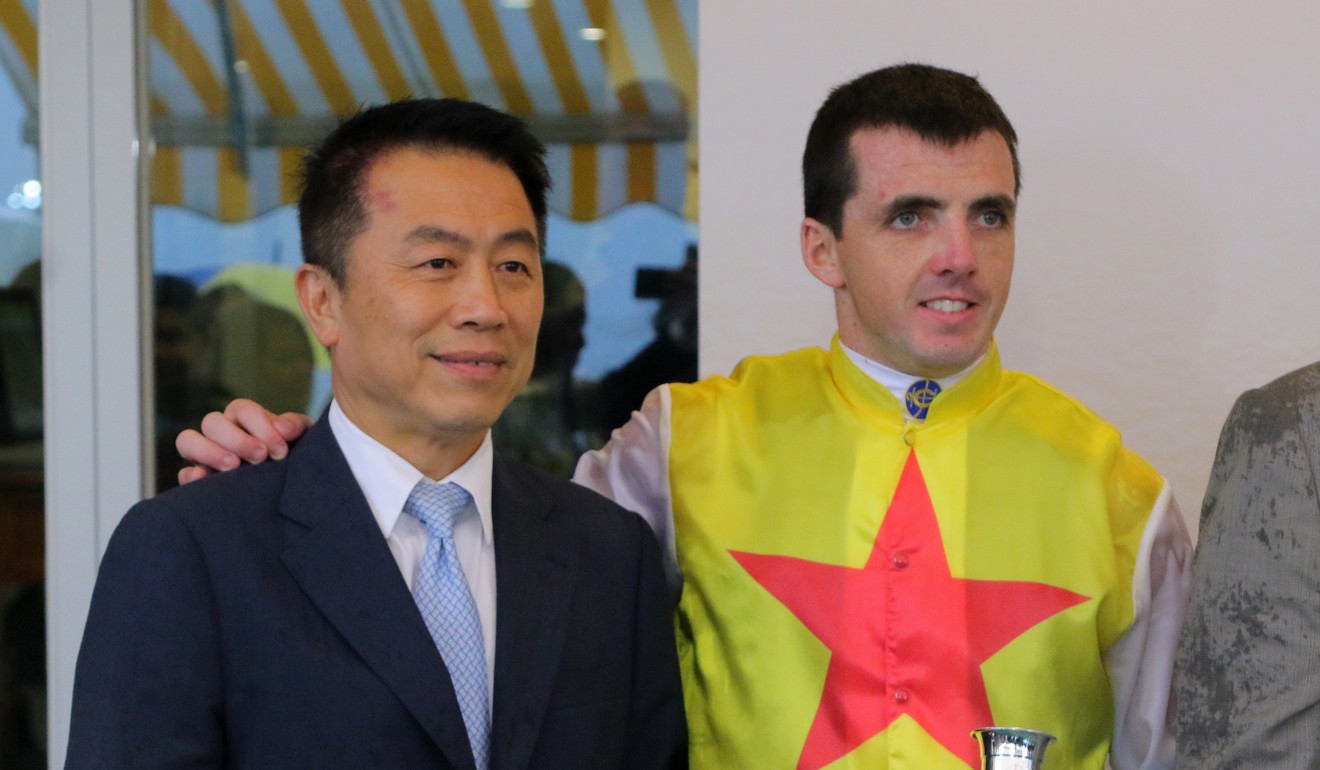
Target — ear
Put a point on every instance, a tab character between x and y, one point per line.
820	253
321	301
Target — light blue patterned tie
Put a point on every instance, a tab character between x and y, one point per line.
446	603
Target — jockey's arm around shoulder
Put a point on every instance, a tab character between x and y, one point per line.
244	431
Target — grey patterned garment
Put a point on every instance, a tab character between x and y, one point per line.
1248	670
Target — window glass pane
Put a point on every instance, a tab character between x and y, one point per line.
22	564
238	89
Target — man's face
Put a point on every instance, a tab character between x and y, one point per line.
436	323
922	270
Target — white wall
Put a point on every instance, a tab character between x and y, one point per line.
1169	226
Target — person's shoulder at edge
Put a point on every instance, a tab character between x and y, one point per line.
1298	385
1290	400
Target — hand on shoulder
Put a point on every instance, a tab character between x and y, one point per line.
245	431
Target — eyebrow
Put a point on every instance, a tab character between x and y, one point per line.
432	234
442	235
909	202
1004	203
903	203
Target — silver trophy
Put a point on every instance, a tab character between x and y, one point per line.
1012	748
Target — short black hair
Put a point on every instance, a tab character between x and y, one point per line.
938	105
331	212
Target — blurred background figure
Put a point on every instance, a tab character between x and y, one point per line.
225	341
255	349
20	358
23	732
22	603
671	356
550	423
181	392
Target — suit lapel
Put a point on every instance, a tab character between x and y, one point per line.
337	554
535	568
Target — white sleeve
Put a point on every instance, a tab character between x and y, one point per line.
1140	664
633	471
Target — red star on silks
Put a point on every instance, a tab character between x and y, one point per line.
906	636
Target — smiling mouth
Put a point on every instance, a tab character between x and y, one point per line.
946	305
470	360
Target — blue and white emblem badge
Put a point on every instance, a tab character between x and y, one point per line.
920	394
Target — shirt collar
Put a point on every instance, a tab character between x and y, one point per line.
386	479
897	382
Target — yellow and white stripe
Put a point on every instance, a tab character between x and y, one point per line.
239	87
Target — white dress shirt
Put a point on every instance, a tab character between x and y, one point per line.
386	479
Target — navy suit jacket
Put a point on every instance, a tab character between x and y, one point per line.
257	619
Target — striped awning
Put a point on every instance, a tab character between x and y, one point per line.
238	87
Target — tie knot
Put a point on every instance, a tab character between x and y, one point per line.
437	506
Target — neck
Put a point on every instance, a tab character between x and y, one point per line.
435	454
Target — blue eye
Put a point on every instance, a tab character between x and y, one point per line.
907	219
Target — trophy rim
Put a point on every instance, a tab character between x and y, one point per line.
1010	728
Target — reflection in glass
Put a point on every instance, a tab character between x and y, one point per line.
22	521
239	88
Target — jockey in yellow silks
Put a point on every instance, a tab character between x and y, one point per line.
860	589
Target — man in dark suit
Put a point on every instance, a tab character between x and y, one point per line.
313	613
1248	684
